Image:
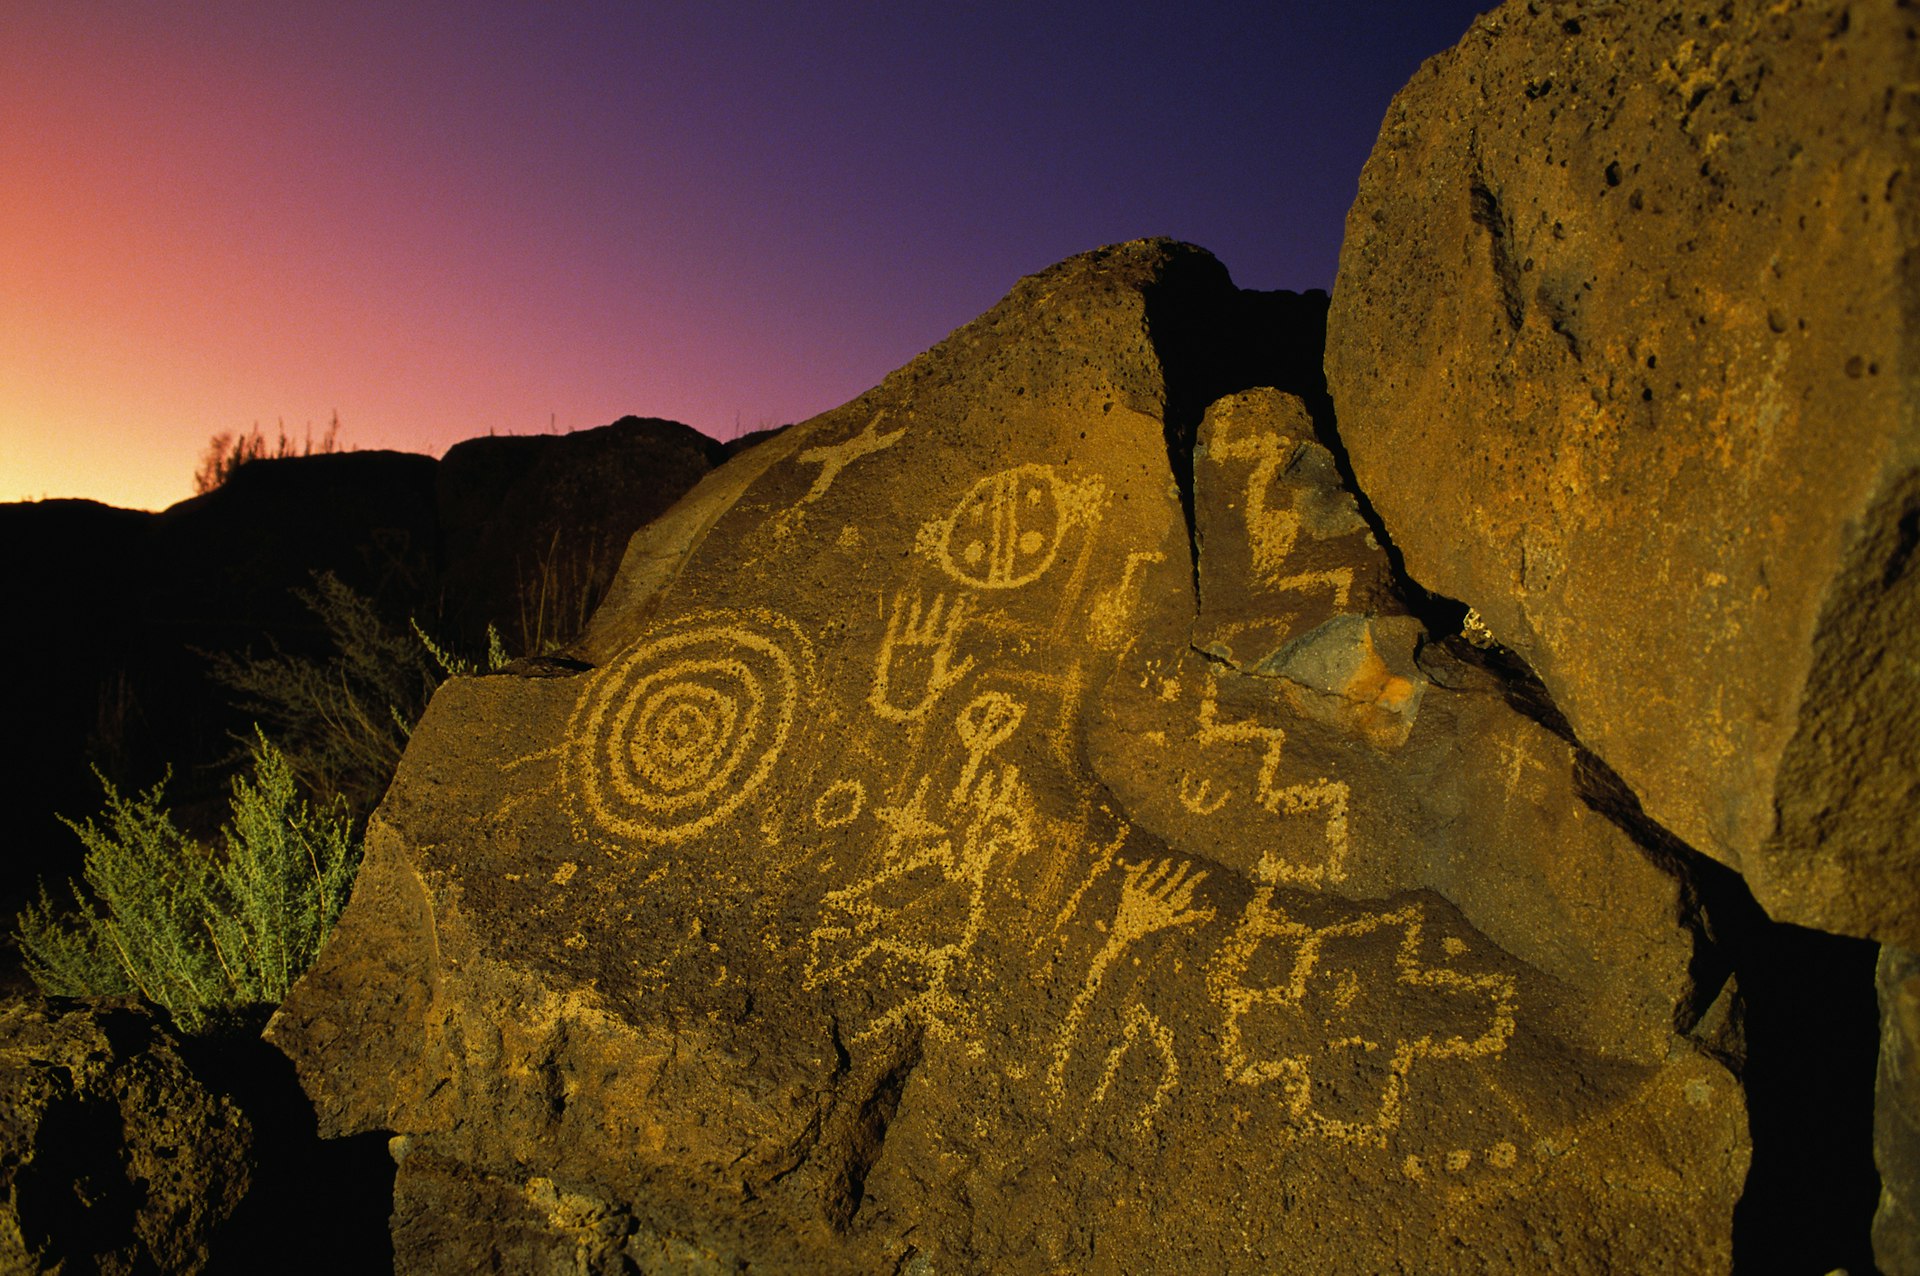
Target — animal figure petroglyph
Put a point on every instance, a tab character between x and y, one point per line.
671	738
1492	997
917	628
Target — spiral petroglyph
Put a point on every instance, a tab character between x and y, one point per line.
673	737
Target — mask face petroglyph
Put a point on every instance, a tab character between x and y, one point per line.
1008	530
927	830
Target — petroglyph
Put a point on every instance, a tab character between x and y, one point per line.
1107	623
1102	861
839	804
1273	532
1197	795
1141	1025
988	721
1326	795
1153	897
1007	531
1320	1029
917	629
879	916
832	459
672	737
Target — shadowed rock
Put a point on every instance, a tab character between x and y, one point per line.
520	532
1896	1135
923	876
1623	346
534	526
114	1157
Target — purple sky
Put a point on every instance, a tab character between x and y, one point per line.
443	220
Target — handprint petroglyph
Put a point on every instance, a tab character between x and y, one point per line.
925	630
1153	897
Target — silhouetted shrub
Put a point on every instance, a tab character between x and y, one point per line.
342	720
227	452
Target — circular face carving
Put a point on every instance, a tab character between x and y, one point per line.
671	738
1007	530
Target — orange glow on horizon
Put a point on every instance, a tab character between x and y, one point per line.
445	221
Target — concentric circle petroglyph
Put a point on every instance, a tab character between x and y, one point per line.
672	737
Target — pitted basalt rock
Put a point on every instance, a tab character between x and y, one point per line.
1623	347
910	884
114	1157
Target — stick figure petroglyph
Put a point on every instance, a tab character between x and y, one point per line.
916	628
988	721
836	457
1153	897
904	919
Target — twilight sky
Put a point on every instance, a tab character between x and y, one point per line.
444	219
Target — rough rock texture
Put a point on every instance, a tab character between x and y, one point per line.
1896	1134
1624	348
113	1156
917	874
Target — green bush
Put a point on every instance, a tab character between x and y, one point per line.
198	931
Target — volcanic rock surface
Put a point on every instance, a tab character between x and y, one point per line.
1896	1136
114	1156
1624	346
1015	822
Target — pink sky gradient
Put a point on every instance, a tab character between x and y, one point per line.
444	220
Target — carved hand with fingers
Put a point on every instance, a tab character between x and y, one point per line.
1153	897
1156	897
927	632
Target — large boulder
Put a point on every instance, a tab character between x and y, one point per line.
1624	349
114	1156
1012	822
